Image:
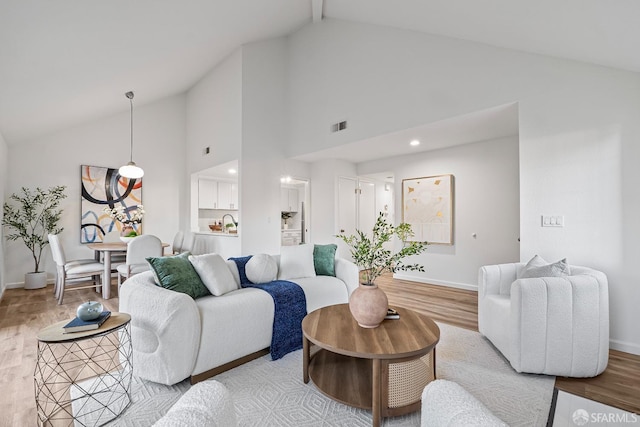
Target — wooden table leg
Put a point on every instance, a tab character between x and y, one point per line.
305	359
106	278
376	391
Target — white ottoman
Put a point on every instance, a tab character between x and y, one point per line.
207	403
445	403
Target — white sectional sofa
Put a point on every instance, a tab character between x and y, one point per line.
175	336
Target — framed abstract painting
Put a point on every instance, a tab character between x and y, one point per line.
427	205
104	187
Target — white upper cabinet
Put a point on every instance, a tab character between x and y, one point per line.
289	199
217	195
207	194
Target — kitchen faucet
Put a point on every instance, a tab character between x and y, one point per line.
235	223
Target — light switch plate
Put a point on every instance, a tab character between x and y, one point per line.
552	220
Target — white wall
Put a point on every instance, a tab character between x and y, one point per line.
4	167
263	136
214	120
577	132
214	116
486	202
159	148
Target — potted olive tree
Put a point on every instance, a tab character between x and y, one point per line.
31	216
368	303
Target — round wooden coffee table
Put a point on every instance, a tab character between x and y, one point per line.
383	369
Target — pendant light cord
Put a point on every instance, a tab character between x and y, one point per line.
130	96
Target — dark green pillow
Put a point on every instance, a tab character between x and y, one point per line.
177	274
324	259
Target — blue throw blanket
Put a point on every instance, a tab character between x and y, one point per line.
290	308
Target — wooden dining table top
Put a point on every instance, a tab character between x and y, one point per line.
112	246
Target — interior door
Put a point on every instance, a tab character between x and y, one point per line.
366	206
347	213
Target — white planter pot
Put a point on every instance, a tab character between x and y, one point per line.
35	280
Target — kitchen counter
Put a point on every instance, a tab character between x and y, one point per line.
216	234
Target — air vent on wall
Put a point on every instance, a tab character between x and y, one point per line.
339	126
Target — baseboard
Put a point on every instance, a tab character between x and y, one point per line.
437	282
20	285
624	346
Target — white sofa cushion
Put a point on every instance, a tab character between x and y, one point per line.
321	291
296	261
234	325
214	273
261	268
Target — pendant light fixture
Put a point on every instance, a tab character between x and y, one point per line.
130	170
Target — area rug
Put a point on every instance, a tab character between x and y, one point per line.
569	410
271	393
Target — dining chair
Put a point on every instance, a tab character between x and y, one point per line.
138	250
187	243
71	271
178	239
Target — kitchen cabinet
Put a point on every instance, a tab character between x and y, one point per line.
207	194
291	237
217	195
289	199
227	195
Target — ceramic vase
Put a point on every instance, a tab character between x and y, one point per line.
126	229
368	305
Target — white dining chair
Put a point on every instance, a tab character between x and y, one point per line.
178	239
138	250
68	272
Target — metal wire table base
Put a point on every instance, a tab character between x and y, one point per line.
84	382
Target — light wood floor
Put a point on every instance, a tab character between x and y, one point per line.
23	313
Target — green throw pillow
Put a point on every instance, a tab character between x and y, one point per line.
324	259
177	274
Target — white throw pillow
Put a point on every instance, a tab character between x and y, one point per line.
261	268
537	267
214	273
296	261
536	261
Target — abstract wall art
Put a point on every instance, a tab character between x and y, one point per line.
427	205
104	187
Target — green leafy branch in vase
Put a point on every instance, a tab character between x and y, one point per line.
370	254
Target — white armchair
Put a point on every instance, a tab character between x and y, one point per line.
548	325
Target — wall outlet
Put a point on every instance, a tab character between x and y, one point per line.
552	221
206	150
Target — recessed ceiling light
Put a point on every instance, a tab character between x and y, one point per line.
232	171
414	143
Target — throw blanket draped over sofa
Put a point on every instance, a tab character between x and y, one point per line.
290	308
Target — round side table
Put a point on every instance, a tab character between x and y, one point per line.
84	378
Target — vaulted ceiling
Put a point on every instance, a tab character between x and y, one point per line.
65	62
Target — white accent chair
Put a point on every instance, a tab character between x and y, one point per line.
447	404
69	271
546	325
138	250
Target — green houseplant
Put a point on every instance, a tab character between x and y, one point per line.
32	216
368	303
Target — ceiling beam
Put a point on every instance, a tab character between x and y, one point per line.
316	10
